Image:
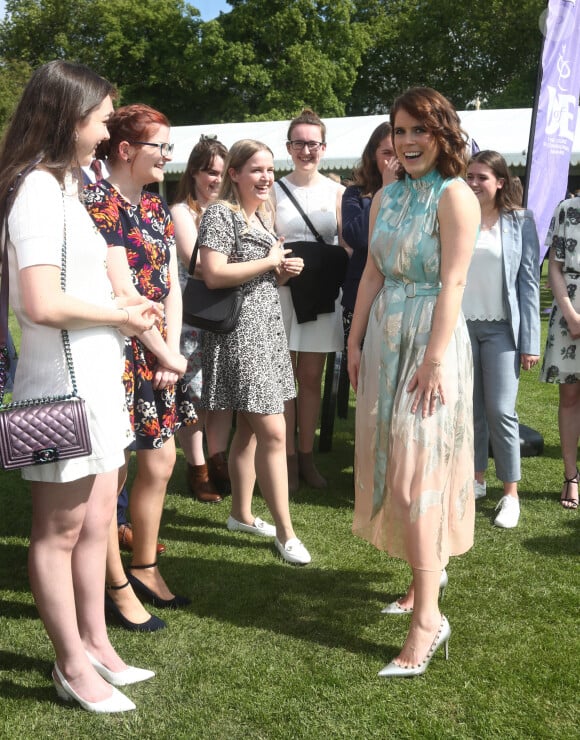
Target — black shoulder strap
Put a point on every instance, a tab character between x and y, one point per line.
300	211
193	260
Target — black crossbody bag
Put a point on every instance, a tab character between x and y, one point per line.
212	309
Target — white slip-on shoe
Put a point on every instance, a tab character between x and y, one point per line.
120	678
509	512
480	490
117	702
293	551
259	527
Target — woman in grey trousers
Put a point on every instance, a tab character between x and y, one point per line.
501	306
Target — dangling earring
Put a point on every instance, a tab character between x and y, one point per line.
76	136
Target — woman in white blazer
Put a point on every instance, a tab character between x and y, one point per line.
502	307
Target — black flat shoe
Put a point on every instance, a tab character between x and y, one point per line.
146	593
112	611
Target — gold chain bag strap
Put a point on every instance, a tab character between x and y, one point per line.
43	430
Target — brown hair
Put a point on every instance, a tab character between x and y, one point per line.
130	123
200	160
308	116
440	118
367	175
58	96
507	198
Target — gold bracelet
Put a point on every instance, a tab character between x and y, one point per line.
435	363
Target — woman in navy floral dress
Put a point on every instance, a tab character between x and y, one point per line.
139	232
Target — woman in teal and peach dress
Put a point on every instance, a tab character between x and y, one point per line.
414	492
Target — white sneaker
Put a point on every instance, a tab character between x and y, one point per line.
509	512
293	551
480	490
259	527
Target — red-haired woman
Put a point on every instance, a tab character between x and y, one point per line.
139	232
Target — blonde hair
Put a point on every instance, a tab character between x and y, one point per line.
239	154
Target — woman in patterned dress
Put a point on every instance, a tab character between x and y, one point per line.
249	370
139	232
561	363
414	422
199	186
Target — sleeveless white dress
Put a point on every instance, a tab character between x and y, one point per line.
325	334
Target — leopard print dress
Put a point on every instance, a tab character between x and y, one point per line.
248	369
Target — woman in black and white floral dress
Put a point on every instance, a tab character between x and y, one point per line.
562	358
248	370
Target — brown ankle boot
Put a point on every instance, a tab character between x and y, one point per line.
200	485
308	471
217	466
293	478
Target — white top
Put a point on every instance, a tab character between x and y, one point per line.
483	296
36	227
319	203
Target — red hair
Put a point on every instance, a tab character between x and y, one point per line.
129	123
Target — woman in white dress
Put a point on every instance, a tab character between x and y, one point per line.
59	121
320	198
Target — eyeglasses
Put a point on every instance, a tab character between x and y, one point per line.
298	145
165	149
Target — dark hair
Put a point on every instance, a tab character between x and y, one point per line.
42	129
309	117
238	155
440	118
367	175
507	198
200	160
130	123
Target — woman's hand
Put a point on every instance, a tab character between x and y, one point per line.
428	387
163	377
529	361
276	254
291	265
354	355
140	317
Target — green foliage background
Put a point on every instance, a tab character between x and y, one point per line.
265	59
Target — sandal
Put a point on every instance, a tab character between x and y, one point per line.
566	500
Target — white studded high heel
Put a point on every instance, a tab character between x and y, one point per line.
117	702
120	678
394	670
395	607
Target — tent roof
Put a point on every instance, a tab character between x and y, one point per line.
507	131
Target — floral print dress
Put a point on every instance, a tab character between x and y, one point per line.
414	493
562	357
146	232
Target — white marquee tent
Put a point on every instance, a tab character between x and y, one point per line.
506	131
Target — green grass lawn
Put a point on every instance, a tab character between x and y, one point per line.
269	651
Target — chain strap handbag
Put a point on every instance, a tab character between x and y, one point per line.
212	309
43	430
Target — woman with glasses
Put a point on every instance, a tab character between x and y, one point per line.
199	186
139	232
309	341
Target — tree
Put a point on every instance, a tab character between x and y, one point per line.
13	78
303	52
463	49
148	50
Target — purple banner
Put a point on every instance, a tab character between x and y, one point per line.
555	114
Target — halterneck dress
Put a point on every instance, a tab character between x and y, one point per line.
413	476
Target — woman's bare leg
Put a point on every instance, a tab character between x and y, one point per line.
66	583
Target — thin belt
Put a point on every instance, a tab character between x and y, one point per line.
412	290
